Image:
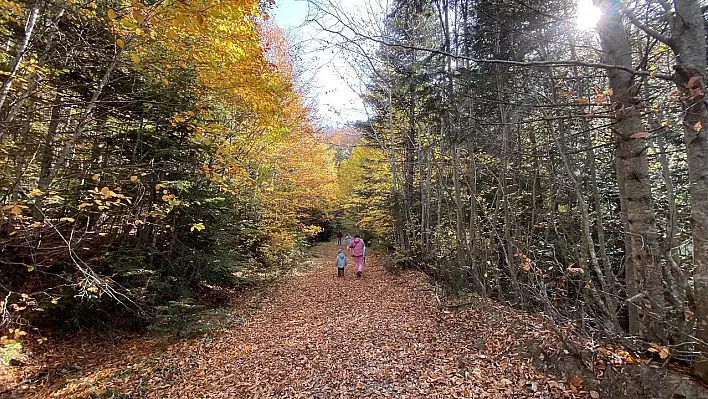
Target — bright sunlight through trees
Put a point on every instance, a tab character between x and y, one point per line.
587	15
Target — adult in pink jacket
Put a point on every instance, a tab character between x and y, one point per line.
358	249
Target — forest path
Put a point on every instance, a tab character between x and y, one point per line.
381	336
320	337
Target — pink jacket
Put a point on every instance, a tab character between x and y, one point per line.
357	247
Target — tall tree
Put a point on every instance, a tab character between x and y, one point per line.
644	276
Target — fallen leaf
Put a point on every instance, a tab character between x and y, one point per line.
576	381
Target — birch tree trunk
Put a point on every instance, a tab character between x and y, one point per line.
20	52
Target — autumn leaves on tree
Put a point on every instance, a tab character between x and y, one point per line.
148	149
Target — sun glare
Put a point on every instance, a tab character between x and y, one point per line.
588	15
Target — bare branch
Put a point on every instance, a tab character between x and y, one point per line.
649	31
540	64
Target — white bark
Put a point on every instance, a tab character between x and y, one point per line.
20	53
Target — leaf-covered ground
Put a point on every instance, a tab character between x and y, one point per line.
320	337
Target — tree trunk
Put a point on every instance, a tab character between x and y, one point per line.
20	53
633	178
47	159
688	38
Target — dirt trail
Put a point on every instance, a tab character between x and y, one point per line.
321	337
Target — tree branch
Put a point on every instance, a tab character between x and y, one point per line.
541	64
649	31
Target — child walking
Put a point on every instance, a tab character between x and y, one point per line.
341	263
358	249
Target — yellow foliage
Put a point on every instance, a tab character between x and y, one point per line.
248	110
364	183
259	139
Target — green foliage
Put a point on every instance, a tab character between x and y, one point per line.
10	351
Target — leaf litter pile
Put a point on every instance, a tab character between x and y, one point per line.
320	337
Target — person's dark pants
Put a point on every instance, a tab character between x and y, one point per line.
340	272
339	240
